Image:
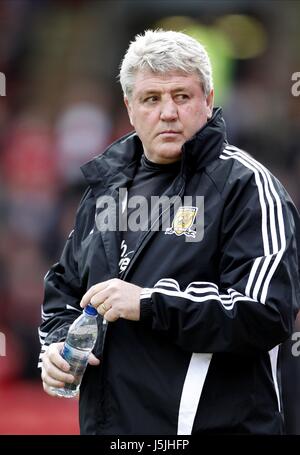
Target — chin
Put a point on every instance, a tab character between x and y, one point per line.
169	157
165	154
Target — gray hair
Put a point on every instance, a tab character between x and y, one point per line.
162	51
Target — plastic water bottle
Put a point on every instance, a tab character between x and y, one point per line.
81	339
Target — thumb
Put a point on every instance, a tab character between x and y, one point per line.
93	360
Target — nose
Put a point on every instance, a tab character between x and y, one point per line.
168	111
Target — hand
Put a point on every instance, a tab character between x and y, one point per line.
55	368
114	299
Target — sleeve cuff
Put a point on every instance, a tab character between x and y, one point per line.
146	305
43	349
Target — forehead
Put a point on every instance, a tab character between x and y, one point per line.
146	80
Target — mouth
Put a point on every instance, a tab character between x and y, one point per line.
169	132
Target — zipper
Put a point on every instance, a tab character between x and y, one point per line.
144	239
136	254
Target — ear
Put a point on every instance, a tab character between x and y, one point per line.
210	103
129	110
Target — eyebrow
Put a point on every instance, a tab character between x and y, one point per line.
157	91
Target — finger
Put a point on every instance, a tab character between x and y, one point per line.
51	373
111	315
93	360
50	382
50	392
100	297
53	356
91	292
103	308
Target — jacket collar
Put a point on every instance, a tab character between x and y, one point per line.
116	167
207	143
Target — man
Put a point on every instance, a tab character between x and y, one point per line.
196	306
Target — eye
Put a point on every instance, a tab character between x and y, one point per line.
181	97
151	99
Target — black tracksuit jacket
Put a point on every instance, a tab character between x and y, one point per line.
205	355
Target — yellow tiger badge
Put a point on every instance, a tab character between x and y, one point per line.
183	222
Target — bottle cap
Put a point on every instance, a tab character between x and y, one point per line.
89	309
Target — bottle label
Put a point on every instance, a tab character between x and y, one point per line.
77	360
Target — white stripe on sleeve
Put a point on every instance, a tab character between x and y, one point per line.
272	223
